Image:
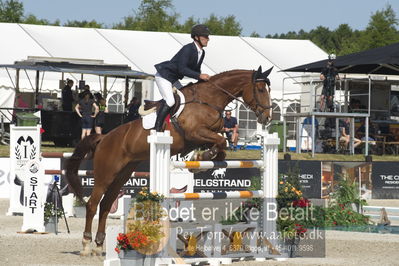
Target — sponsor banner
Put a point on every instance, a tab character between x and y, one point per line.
309	173
180	178
131	187
357	172
222	179
33	200
24	147
385	179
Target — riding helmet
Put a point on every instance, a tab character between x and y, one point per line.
200	30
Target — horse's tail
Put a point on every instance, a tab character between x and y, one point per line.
85	146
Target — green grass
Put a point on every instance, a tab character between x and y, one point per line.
240	154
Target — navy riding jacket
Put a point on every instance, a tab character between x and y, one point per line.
184	63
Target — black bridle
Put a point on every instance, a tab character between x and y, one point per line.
258	104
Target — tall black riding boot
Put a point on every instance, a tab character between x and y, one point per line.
163	112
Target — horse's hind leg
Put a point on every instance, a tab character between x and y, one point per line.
109	197
91	208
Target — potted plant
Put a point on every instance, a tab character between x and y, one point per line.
145	230
290	202
50	216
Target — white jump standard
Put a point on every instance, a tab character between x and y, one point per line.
160	167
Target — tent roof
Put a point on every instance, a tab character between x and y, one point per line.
142	50
382	60
66	67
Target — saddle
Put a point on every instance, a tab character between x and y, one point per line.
158	104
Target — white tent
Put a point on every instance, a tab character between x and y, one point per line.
141	51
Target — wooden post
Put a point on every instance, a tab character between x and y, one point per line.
105	87
37	88
126	91
17	81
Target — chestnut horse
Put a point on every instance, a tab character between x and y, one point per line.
117	154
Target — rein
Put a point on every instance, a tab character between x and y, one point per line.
227	92
257	103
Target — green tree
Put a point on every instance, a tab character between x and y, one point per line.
11	11
83	24
381	29
32	19
188	24
322	37
255	34
152	15
223	25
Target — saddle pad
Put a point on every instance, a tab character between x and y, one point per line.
150	119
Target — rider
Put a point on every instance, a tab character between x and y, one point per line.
187	62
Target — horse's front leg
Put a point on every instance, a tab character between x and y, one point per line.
105	206
91	208
216	152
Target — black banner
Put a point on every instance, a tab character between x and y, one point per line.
222	179
309	173
131	187
385	179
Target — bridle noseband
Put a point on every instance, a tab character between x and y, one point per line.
257	102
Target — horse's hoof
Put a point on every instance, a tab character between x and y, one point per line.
97	251
195	171
86	247
85	253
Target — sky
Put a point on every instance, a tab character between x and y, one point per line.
262	16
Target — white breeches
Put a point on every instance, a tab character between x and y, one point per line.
165	88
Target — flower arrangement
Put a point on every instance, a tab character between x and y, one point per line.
130	241
290	197
144	227
288	192
50	211
340	211
301	203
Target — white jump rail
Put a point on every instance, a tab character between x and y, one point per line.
375	212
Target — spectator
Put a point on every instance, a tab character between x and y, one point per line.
328	75
100	118
85	89
133	108
84	110
67	98
361	131
344	126
230	128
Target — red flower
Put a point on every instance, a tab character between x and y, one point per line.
302	203
299	229
117	250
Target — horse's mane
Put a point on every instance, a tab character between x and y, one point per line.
218	76
228	72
